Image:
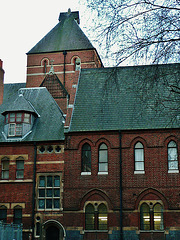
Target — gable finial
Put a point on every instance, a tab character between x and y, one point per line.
51	71
69	11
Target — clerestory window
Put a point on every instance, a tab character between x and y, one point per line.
86	158
139	157
172	156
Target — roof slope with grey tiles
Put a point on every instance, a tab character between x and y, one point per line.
48	125
66	35
127	98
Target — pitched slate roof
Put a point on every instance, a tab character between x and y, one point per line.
65	36
49	124
126	98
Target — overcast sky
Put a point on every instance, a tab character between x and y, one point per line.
22	24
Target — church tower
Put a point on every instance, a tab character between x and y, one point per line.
56	60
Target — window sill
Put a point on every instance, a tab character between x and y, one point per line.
139	172
85	173
173	171
102	173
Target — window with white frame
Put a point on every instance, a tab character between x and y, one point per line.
172	156
103	158
139	157
49	192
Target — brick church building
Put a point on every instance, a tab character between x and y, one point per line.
88	152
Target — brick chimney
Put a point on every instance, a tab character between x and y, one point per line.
1	81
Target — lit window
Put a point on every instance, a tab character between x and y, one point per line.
5	168
145	217
172	156
49	192
19	169
103	158
151	220
86	158
139	157
17	215
3	214
96	217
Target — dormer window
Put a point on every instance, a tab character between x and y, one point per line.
16	121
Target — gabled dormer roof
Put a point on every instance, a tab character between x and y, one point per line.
49	119
65	36
20	105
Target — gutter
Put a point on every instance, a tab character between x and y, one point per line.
120	185
34	189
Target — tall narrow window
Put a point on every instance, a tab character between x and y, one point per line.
158	217
145	217
45	66
90	217
86	158
19	169
77	64
18	215
3	214
139	157
103	158
102	217
5	168
172	156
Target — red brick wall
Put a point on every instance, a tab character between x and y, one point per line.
155	185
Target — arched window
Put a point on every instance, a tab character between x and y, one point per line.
102	217
89	217
3	214
77	64
158	217
103	158
86	158
17	215
145	217
151	220
139	157
45	66
172	156
96	217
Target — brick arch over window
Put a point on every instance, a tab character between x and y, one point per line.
95	195
136	140
150	194
83	141
103	140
